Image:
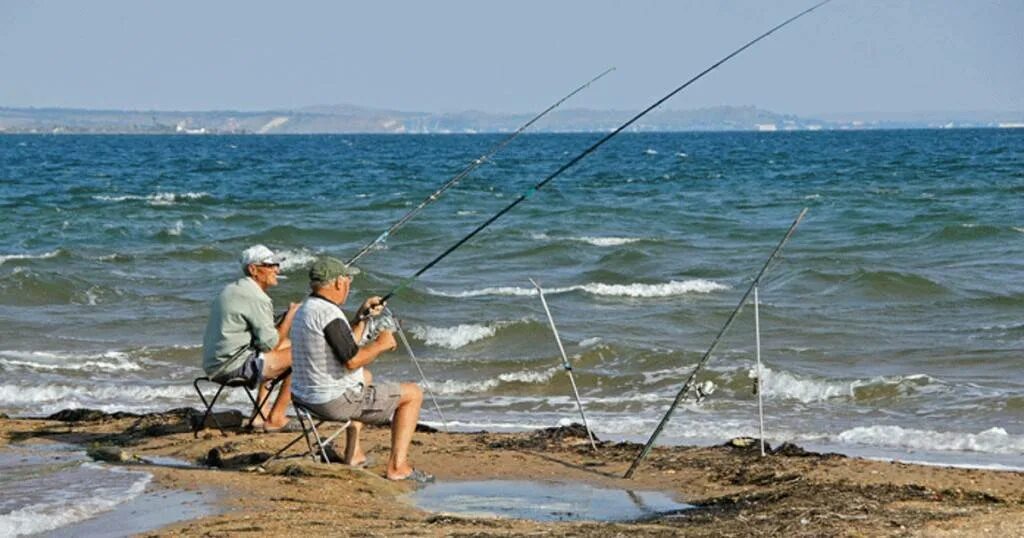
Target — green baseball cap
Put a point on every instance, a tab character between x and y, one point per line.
326	269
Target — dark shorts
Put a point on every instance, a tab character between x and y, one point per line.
374	404
251	371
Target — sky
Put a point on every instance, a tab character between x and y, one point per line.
515	56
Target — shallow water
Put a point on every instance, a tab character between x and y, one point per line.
542	501
55	489
891	322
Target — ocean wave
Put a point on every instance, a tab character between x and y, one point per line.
967	231
47	398
156	199
636	290
590	240
43	256
111	361
296	259
62	510
176	230
535	377
992	440
453	337
785	385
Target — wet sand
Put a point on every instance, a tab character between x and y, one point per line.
735	491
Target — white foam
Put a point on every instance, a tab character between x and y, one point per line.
606	241
812	197
296	259
992	440
60	512
44	399
590	240
681	154
156	199
590	342
451	386
49	361
1019	229
453	337
637	290
650	151
785	385
43	256
176	229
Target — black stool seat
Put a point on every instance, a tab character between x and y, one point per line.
231	382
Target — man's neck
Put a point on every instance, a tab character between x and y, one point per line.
326	297
261	285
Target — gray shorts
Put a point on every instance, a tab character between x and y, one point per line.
251	371
374	404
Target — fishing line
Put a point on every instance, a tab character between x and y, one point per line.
467	170
405	283
714	344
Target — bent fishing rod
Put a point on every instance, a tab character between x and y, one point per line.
714	344
476	163
522	197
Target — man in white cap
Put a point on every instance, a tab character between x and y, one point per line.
241	340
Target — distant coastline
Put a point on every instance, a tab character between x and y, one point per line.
348	119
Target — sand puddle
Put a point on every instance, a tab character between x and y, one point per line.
542	501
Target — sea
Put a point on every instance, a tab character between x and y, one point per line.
891	325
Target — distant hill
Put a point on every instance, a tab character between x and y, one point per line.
326	119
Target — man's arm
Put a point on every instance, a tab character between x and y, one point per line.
286	323
343	345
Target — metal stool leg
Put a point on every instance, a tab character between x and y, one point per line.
209	407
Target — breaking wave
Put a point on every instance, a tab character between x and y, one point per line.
596	241
992	440
453	337
156	199
111	361
452	386
636	290
43	256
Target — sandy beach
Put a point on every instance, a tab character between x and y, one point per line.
734	491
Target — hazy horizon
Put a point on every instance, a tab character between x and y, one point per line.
511	59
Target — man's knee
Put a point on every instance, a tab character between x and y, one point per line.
411	392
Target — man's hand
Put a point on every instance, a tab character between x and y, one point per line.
371	307
292	307
386	339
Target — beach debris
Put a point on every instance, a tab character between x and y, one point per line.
111	454
222	458
741	442
88	415
704	390
573	434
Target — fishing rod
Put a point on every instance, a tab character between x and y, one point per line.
714	344
565	363
405	283
389	321
467	170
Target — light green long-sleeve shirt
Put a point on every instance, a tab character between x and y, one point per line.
241	318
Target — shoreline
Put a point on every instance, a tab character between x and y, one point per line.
733	490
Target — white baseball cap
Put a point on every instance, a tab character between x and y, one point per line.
260	255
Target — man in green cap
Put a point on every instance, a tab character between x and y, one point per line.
329	377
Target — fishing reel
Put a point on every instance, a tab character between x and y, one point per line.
373	325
